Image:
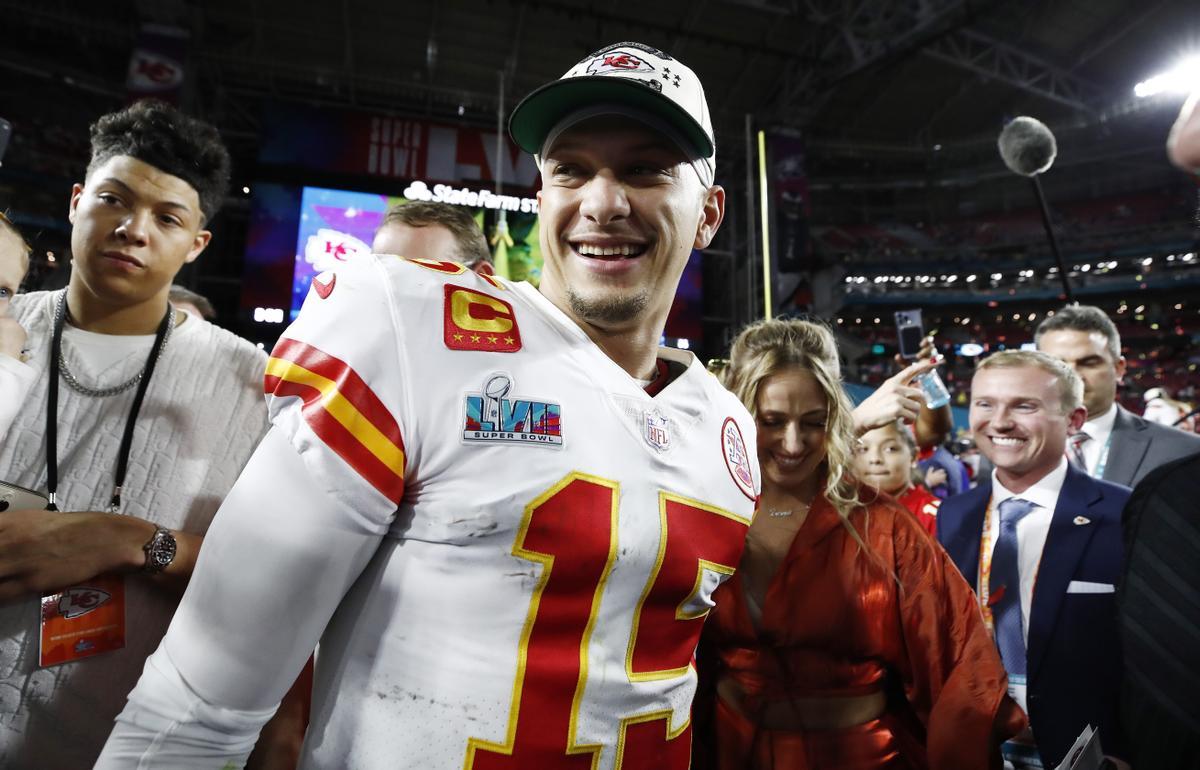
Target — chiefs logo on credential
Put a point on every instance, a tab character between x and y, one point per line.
80	600
477	321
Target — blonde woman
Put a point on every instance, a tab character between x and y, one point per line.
847	638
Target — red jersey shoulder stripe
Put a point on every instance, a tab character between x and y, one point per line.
343	411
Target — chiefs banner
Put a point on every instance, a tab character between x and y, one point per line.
157	64
789	210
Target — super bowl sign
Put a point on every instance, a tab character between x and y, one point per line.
347	142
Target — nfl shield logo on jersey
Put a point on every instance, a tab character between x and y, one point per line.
492	416
656	430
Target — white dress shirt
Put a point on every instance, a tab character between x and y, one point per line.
1100	430
1032	530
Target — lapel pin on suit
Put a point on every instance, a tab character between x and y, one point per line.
1081	520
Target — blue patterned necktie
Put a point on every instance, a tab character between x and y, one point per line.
1004	587
1075	446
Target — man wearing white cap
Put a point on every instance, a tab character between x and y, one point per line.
501	512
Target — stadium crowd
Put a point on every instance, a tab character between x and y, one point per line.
479	524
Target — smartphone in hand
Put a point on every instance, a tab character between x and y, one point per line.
15	498
910	333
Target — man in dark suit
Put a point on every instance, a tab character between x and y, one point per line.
1159	598
1158	606
1040	523
1114	444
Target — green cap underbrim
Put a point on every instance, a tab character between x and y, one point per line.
539	112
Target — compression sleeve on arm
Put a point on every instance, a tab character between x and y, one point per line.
277	560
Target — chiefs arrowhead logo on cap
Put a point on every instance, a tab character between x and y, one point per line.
323	284
623	62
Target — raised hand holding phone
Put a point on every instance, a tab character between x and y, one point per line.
895	399
910	334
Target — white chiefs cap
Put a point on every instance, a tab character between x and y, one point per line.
626	79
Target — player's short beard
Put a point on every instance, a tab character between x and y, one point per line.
608	311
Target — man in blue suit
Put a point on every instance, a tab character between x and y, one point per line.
1041	544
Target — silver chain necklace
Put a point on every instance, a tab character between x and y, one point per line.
73	382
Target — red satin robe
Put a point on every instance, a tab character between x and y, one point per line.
837	623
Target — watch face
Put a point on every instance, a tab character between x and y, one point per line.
162	551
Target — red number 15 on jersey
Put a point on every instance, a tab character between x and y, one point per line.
576	521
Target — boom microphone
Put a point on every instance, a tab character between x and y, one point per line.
1028	148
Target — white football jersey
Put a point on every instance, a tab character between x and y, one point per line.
553	533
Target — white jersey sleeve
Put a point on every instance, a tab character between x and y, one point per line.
292	536
275	563
335	389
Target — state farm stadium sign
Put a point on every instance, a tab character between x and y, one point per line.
463	196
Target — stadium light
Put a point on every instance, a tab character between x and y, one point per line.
1181	78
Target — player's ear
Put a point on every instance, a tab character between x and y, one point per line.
710	216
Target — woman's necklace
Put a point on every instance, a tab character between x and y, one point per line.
778	514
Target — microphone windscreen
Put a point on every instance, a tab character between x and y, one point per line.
1027	146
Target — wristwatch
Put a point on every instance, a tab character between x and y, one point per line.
160	551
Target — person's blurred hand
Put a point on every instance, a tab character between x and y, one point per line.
43	551
935	476
1183	144
895	399
12	337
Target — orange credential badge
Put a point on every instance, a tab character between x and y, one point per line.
83	620
478	321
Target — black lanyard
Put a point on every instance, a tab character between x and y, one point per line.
60	318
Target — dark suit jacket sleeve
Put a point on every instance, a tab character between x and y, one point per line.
1159	618
1139	446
